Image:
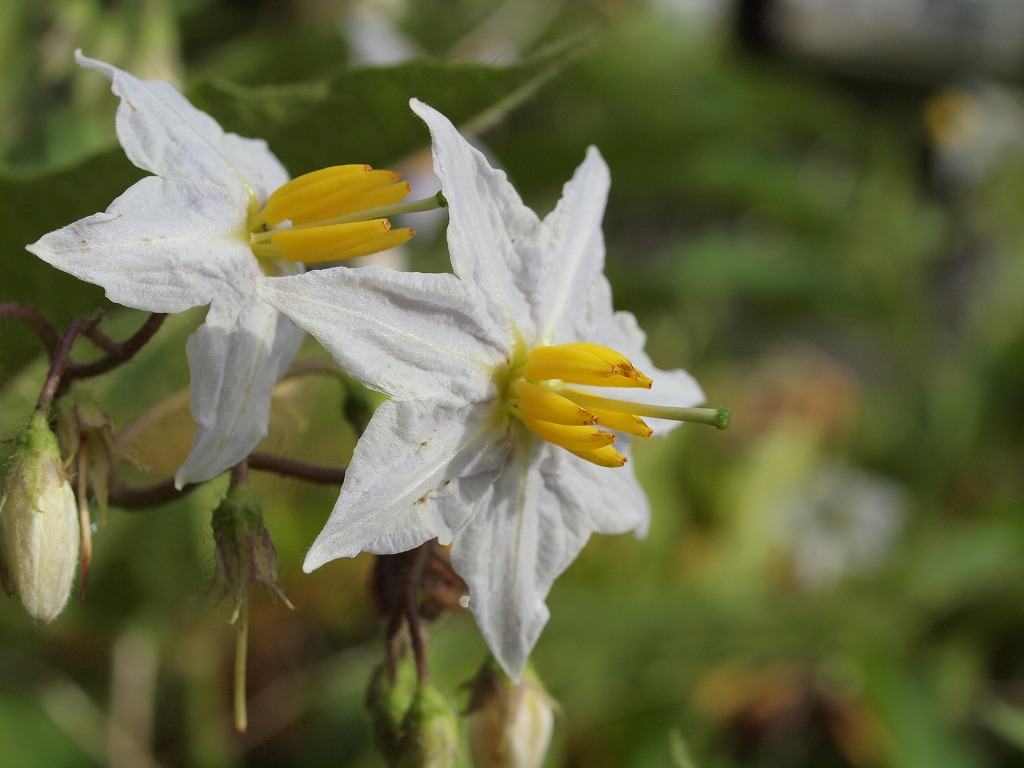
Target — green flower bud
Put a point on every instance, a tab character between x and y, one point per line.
245	553
388	700
430	730
510	725
39	526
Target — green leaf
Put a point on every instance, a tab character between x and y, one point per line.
1007	721
362	114
34	205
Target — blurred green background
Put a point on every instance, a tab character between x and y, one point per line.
838	580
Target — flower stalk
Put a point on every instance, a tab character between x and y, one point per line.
239	707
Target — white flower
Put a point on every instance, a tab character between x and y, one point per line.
203	230
470	360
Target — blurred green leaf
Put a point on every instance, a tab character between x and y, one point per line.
35	204
1007	721
362	114
30	737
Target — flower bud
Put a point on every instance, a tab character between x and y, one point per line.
388	699
39	527
245	553
510	725
430	731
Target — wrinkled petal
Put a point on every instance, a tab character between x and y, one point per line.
492	236
235	358
609	500
162	246
401	484
161	132
573	249
406	334
527	528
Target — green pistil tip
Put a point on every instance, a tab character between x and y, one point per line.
723	418
441	199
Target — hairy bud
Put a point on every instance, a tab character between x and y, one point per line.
245	553
510	725
388	699
39	527
430	730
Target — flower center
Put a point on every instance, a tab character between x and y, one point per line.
541	396
332	214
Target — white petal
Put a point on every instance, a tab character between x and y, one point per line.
235	358
163	133
527	528
607	500
403	333
163	246
492	236
573	246
402	485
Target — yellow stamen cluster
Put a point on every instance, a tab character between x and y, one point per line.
563	416
331	214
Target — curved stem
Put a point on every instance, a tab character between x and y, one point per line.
60	363
133	498
281	465
33	317
412	614
117	352
239	473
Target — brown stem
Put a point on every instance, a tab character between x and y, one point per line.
117	352
60	364
394	623
281	465
29	314
239	473
412	614
142	497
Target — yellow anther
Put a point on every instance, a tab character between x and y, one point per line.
390	239
538	397
575	438
541	403
583	363
332	243
578	420
603	457
377	189
290	197
330	193
623	422
333	214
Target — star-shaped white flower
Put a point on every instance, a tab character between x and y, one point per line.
203	230
483	443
